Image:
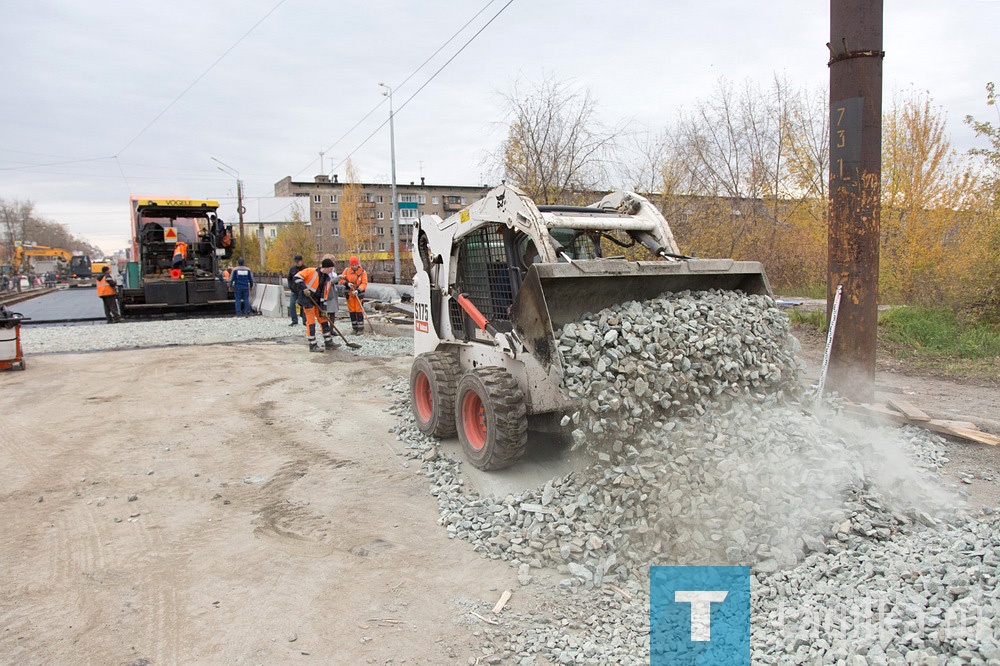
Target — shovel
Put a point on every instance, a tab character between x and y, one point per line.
352	345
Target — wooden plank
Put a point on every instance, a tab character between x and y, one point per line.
878	411
968	425
484	619
504	598
960	429
911	411
972	434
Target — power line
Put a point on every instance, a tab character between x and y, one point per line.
200	77
54	164
403	83
433	76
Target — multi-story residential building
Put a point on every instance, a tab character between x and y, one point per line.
325	197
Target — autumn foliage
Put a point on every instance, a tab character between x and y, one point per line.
744	174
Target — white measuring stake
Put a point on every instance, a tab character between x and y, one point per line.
829	342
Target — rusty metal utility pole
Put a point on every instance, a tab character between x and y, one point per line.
855	189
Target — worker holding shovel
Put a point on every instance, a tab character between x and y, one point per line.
355	281
314	287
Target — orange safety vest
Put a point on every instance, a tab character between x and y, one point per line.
359	278
105	289
310	278
181	248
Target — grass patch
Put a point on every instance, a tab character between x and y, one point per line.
937	331
927	341
814	318
803	291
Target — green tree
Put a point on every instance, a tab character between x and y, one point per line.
252	245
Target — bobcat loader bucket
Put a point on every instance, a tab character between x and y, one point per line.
553	295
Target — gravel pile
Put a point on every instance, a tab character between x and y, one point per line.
703	456
927	596
208	330
674	355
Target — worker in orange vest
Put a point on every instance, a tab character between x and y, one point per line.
355	281
108	292
314	287
180	255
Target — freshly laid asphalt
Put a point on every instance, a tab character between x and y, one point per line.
66	304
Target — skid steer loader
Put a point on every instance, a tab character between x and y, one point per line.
496	282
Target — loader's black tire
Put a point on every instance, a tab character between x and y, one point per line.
433	379
491	418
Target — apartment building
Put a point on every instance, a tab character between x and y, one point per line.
325	193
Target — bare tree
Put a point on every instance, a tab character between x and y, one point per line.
20	223
555	145
744	167
645	162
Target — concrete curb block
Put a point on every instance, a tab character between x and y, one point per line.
269	300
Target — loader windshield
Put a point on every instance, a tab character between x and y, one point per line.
576	244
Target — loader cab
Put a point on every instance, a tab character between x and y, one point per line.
492	263
489	271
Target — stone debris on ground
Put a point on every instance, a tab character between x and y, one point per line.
703	454
195	331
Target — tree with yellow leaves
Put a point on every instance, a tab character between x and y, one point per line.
357	215
292	238
744	179
984	281
930	222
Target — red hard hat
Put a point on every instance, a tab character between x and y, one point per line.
354	260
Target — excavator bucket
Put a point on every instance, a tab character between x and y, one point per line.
553	295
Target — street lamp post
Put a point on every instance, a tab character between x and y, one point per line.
395	203
239	199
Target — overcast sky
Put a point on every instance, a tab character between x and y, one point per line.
105	99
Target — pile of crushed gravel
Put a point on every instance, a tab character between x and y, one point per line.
207	330
702	455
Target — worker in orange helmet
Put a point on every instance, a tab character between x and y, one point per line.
355	280
314	288
180	255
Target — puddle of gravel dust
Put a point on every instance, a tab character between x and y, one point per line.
546	458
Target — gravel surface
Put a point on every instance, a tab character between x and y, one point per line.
209	330
704	455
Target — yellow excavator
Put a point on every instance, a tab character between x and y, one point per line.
47	259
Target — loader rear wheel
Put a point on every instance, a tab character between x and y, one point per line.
432	393
491	418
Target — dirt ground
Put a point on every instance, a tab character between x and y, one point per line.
238	504
247	504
